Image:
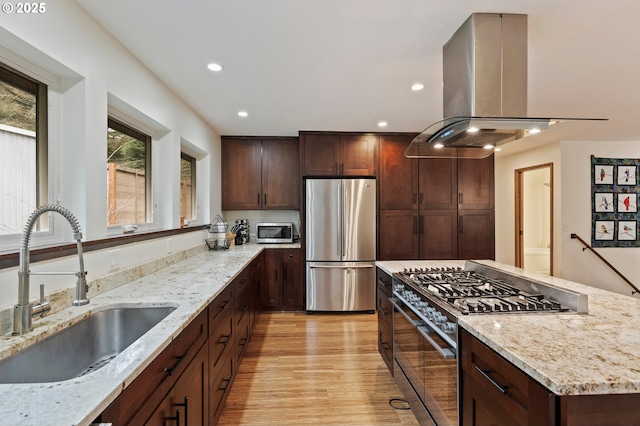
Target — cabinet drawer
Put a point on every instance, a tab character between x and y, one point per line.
497	383
384	281
385	342
221	338
220	386
385	309
222	303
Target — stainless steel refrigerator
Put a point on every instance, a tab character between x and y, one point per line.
340	242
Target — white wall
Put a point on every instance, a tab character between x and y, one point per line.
576	218
505	167
572	212
92	74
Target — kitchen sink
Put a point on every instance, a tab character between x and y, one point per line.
83	347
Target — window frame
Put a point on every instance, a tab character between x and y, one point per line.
129	130
192	160
40	89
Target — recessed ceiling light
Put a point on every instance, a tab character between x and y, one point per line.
214	67
382	124
417	86
243	113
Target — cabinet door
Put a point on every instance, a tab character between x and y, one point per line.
438	188
280	174
398	235
438	234
476	231
191	391
398	176
292	290
187	402
476	183
319	154
357	155
271	284
241	174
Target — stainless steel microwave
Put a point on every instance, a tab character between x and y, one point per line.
274	232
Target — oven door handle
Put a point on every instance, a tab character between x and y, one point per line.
447	353
395	304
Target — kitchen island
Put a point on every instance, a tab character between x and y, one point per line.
190	286
581	358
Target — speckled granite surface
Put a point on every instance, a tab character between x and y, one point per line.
190	285
570	354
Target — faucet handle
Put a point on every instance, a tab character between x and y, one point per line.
42	307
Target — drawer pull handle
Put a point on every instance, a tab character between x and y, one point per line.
485	373
176	418
226	384
185	404
170	371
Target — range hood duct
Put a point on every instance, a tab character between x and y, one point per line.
485	91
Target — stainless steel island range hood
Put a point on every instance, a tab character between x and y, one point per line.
485	91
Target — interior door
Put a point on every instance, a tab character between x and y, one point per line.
534	218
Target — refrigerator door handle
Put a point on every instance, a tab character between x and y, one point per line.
341	267
341	226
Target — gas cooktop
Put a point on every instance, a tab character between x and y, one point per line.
480	289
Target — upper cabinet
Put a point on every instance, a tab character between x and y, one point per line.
260	173
476	183
332	154
434	208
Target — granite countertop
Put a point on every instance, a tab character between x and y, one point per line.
190	285
569	354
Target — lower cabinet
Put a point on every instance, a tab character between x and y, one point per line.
187	384
495	392
384	290
282	288
188	401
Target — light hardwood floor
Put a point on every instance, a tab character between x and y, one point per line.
320	369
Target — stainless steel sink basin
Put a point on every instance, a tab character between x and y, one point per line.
83	347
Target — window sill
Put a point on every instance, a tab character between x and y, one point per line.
8	260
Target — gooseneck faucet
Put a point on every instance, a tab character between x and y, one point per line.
24	310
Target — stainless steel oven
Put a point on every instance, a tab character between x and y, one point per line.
425	366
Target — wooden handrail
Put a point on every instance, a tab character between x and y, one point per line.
591	249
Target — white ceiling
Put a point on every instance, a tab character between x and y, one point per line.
344	65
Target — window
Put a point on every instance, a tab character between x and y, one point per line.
187	186
23	150
129	175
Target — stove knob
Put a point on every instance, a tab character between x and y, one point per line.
448	327
439	318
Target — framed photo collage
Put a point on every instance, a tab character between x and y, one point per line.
614	202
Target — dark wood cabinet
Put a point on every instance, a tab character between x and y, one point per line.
476	183
495	392
260	173
333	154
141	399
398	235
282	286
188	401
476	229
189	380
424	202
384	290
241	174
